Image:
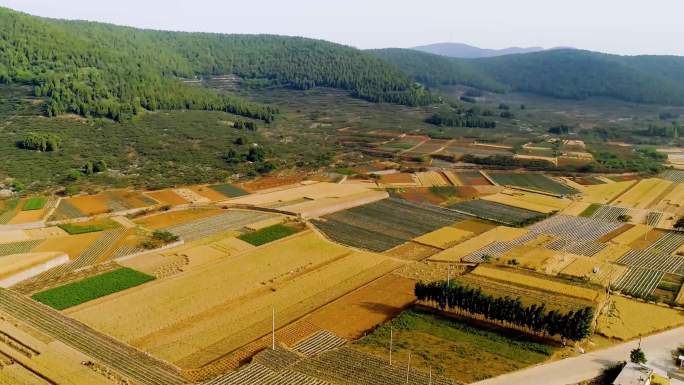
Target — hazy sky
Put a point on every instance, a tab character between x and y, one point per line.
616	26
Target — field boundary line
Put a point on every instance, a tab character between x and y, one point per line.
625	191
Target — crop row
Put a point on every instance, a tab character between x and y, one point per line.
381	225
257	374
668	244
497	212
655	261
319	343
574	228
129	361
653	217
18	247
586	248
66	210
125	250
611	213
537	182
638	282
232	220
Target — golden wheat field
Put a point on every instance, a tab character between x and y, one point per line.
625	318
444	237
605	193
644	194
594	271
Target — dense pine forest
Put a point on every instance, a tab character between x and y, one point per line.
102	70
560	73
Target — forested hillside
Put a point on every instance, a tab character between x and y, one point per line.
96	69
563	73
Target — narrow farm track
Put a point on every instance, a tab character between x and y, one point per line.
127	360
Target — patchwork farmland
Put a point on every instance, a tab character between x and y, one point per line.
317	252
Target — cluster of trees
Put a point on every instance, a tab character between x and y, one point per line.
670	131
158	239
255	154
40	142
245	124
102	70
93	167
573	325
560	129
458	117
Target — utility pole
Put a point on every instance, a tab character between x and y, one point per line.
430	378
408	369
448	274
273	330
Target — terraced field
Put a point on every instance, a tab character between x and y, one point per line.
382	225
497	212
531	181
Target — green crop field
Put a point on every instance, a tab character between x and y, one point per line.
537	182
90	288
268	234
453	348
76	229
229	190
35	203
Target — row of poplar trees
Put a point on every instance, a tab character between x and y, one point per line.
573	325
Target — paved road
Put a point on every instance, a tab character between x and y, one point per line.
657	347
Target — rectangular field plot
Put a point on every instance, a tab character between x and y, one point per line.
229	190
676	176
227	304
18	247
268	234
104	202
537	182
35	203
575	235
497	212
472	178
638	282
88	289
382	225
231	220
654	261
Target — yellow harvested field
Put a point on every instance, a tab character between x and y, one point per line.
265	223
412	251
28	216
604	193
209	193
499	233
474	226
508	275
167	197
530	201
170	218
71	245
635	233
540	240
319	207
199	315
444	238
430	179
611	252
594	271
625	319
299	193
575	208
644	193
537	258
45	232
13	236
673	201
190	195
11	265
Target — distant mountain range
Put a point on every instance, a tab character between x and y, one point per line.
465	51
